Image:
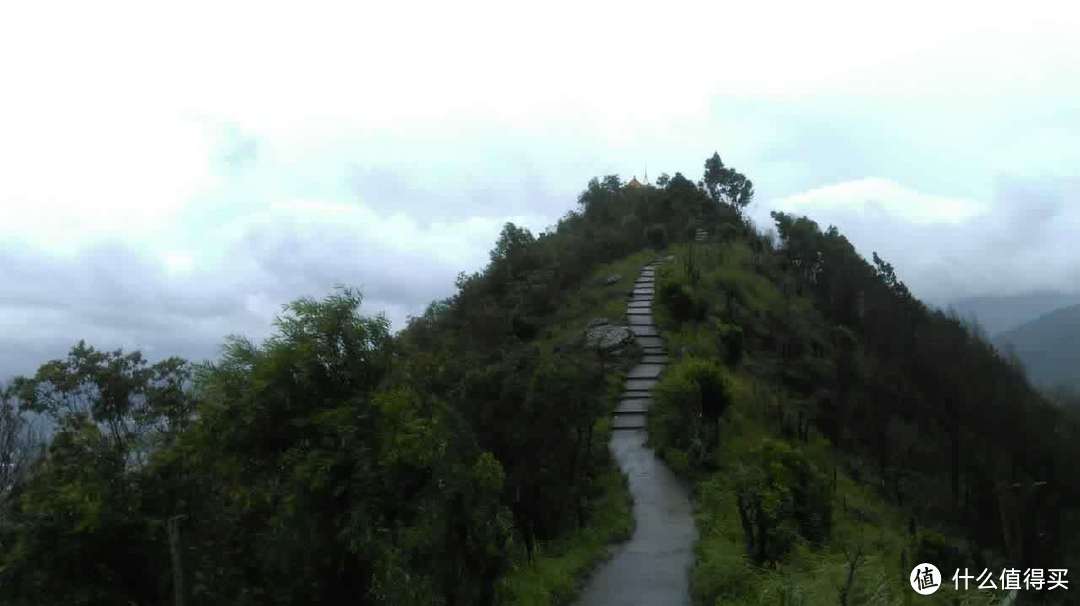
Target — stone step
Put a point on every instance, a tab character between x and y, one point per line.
639	311
647	330
633	406
628	422
645	371
654	351
650	342
654	359
639	318
639	384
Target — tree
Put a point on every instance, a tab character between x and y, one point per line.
740	191
715	176
18	444
337	462
511	249
121	393
19	447
727	185
780	495
74	510
112	411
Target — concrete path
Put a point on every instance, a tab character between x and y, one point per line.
653	567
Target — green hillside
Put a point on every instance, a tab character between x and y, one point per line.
835	431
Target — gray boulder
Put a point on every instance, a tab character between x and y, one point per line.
612	279
607	337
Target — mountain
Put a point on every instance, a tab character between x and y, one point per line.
999	314
835	430
1048	346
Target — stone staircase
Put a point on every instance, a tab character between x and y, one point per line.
651	568
701	235
637	390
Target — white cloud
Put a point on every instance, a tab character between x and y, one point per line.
1019	241
883	199
227	157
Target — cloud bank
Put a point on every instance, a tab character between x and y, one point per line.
170	175
1022	240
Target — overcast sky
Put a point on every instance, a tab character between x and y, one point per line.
170	176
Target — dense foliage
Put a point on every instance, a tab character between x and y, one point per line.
843	379
955	429
339	463
335	462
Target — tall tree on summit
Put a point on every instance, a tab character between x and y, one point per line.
727	185
715	175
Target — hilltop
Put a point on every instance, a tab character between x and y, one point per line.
834	430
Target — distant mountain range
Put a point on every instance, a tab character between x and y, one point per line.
1043	328
1048	346
997	315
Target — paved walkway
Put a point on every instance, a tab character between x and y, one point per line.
653	567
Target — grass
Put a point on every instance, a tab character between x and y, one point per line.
864	522
594	299
559	568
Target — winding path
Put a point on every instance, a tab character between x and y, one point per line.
652	568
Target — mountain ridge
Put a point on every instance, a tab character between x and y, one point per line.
1048	347
999	314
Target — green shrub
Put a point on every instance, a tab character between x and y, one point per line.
681	302
781	496
722	576
691	398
